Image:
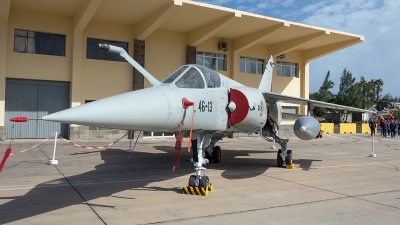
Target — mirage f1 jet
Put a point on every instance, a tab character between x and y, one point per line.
200	102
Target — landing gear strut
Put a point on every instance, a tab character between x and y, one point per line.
200	158
283	155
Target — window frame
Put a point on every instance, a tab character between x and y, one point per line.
285	109
41	43
248	60
217	56
280	65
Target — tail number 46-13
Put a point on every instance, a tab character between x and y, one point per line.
205	106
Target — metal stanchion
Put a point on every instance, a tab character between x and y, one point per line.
373	146
54	161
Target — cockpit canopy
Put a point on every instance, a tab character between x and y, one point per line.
194	76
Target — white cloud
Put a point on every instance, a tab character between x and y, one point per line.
377	57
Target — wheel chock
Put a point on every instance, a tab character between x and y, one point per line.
197	190
292	166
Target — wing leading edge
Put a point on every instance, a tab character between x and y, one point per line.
274	97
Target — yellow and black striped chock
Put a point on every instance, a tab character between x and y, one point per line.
197	190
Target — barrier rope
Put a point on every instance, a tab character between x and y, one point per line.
135	144
388	145
16	153
89	147
70	142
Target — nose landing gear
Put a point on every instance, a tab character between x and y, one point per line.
198	184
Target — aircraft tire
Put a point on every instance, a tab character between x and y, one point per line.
216	155
288	158
204	182
207	155
192	181
279	160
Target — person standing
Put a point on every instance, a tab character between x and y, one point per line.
398	127
383	127
392	128
372	126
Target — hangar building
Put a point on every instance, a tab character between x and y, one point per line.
49	60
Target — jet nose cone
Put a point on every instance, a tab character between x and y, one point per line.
146	109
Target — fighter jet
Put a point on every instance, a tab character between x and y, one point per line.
202	104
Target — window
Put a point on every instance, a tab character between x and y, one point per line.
93	51
286	69
33	42
289	109
251	65
211	60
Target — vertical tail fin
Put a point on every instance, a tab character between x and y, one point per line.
266	81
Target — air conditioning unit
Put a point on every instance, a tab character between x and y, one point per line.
223	46
281	56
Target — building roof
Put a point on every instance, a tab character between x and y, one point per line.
200	22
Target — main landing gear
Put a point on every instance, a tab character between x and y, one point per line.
212	153
283	155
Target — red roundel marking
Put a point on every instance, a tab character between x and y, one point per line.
242	107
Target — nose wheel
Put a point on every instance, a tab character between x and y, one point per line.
193	182
203	182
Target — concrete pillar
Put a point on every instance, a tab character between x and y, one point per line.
76	79
191	52
235	66
139	57
304	84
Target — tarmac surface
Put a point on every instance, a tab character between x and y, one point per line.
334	182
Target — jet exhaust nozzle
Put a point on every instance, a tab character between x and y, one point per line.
306	128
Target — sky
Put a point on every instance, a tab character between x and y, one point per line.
378	57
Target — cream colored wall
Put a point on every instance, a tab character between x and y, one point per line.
165	53
288	85
102	78
36	66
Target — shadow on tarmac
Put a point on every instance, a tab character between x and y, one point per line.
119	173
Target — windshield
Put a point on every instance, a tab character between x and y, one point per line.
191	79
194	76
176	74
212	78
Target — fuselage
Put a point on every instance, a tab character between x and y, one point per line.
160	108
